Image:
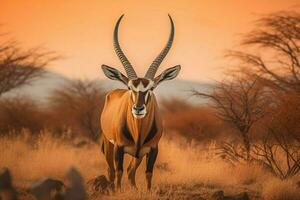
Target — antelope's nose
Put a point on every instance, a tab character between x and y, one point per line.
139	109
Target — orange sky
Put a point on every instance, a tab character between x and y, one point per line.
81	31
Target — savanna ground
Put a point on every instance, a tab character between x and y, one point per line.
182	171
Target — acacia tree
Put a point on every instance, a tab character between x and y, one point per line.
20	113
20	67
240	102
270	56
77	106
280	148
272	51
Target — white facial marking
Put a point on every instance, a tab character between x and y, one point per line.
132	96
140	87
140	114
148	94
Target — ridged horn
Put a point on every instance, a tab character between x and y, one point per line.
125	62
155	64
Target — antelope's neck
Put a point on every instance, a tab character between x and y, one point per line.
140	127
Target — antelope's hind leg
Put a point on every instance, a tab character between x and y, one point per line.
151	158
131	170
108	150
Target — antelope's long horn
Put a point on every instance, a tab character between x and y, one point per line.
155	64
125	62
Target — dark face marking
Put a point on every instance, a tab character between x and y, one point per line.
143	81
141	90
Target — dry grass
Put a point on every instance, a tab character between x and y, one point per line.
186	168
49	157
275	189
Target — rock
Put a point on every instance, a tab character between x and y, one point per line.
76	190
5	178
219	195
241	196
100	184
7	191
47	189
51	189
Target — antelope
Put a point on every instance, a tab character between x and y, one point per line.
130	120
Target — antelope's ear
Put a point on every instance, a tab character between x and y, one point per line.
168	74
114	74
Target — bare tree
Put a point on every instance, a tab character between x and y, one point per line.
20	113
20	67
270	57
279	154
194	123
77	106
240	102
272	51
232	153
280	149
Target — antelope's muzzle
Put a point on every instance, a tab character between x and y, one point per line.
139	111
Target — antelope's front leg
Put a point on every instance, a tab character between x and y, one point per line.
119	157
151	158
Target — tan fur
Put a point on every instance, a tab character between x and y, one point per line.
117	112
